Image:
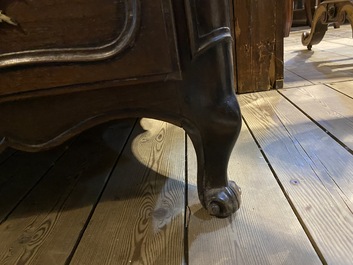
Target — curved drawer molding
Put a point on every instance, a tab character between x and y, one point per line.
208	23
125	38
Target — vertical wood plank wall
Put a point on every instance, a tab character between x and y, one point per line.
258	27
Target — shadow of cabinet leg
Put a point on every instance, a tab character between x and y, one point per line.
214	138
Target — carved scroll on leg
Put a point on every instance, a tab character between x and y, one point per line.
208	24
318	28
347	9
328	12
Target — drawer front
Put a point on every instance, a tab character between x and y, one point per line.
54	43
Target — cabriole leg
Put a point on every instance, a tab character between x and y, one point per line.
213	144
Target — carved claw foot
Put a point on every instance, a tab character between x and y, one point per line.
222	202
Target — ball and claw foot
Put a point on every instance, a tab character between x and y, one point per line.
222	202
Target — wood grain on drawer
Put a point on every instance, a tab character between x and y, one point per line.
66	42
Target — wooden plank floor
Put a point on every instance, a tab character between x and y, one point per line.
125	192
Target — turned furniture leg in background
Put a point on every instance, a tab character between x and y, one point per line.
328	12
309	6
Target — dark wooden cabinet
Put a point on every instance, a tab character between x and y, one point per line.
120	38
68	65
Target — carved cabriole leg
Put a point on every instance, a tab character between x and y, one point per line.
212	114
213	128
328	12
214	137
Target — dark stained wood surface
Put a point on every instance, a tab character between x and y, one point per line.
258	44
159	66
87	29
60	26
6	154
27	169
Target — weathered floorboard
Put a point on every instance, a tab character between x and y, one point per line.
264	231
332	110
139	219
344	87
293	80
45	227
296	148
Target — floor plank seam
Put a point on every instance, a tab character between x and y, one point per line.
37	182
337	53
89	217
350	151
313	166
294	73
339	90
300	220
7	158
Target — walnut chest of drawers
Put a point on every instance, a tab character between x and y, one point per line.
68	65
